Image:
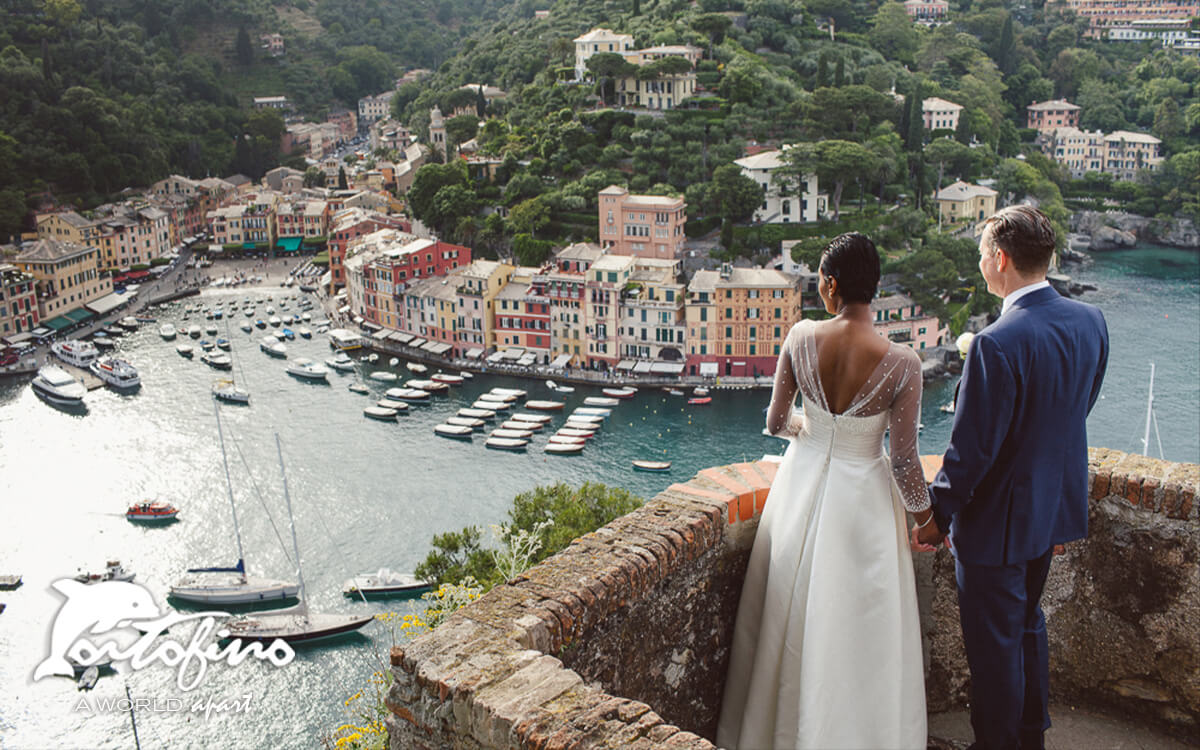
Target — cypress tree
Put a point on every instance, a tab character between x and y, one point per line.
839	73
822	71
1003	53
245	51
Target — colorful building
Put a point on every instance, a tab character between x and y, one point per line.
940	114
1104	14
606	283
523	316
786	200
652	312
926	10
349	225
479	283
18	301
962	201
1126	154
67	278
1049	115
737	319
598	40
899	319
648	226
1080	151
564	284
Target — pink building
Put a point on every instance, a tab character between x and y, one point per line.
1046	116
926	10
900	319
648	226
940	114
1103	14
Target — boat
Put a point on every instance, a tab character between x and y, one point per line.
358	388
217	360
211	330
515	392
116	372
129	323
383	376
644	465
433	386
341	338
306	317
590	412
287	320
466	375
289	334
156	512
673	391
384	581
167	331
114	331
518	434
601	401
393	404
233	586
206	345
416	367
340	362
516	424
260	323
372	358
299	625
305	333
506	444
559	388
88	679
580	424
498	397
10	581
58	386
590	419
393	361
272	347
563	449
227	390
274	321
194	331
408	394
491	405
947	408
537	405
474	424
224	344
185	350
472	413
538	418
279	336
575	432
113	571
77	353
302	367
457	431
699	391
447	378
248	312
378	412
619	392
700	401
565	440
102	342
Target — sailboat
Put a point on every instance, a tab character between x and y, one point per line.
298	625
226	389
237	588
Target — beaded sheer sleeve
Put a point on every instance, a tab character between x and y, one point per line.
894	387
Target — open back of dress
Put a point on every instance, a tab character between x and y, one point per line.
827	647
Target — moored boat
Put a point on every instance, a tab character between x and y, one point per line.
340	362
580	424
518	434
378	412
537	405
415	395
383	376
116	372
217	360
113	571
538	418
491	405
644	465
506	444
185	350
155	512
457	431
385	581
432	386
272	347
575	432
700	400
699	391
391	403
129	323
619	392
305	333
447	378
515	392
601	401
77	353
563	449
194	331
58	386
566	440
592	412
474	424
305	368
516	424
227	390
417	367
472	413
358	388
167	331
499	397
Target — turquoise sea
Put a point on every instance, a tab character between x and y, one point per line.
368	494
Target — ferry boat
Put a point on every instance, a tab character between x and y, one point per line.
116	372
78	353
152	512
341	338
57	386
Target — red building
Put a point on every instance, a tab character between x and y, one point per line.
349	225
523	318
18	301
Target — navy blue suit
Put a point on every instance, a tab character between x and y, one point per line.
1012	485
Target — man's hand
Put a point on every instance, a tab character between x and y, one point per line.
927	537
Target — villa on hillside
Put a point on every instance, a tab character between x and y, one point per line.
783	201
962	201
899	319
649	226
940	114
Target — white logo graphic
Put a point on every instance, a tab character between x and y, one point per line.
110	607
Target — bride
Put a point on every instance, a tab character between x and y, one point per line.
827	646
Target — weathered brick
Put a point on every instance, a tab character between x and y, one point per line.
1100	482
1149	499
1133	489
1170	499
1187	496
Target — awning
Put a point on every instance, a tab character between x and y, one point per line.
400	337
21	338
106	304
288	244
344	309
441	349
560	361
369	325
36	332
58	323
429	346
326	278
667	368
625	364
136	275
708	368
641	367
738	364
495	356
512	353
248	245
474	353
416	342
381	334
527	359
79	314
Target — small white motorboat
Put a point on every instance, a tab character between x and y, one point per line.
378	412
619	392
506	444
167	331
384	581
588	411
77	353
416	367
466	375
699	391
280	336
518	434
303	367
272	347
224	344
305	333
206	345
129	323
545	405
358	388
116	372
537	418
484	414
601	401
185	350
563	449
457	431
448	379
393	361
498	397
217	360
211	330
643	465
227	390
340	362
113	571
408	394
491	405
579	424
673	391
391	403
274	321
591	419
516	424
575	432
383	376
433	386
565	440
474	424
515	392
559	388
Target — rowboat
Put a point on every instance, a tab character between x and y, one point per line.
447	378
383	376
506	444
432	386
563	449
544	405
490	405
643	465
566	440
417	367
516	392
516	424
619	392
485	414
492	396
574	424
454	431
601	401
534	418
591	419
573	432
378	412
589	412
408	394
700	401
358	388
394	405
474	424
518	434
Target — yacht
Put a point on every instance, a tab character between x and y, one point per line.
116	372
341	362
272	347
129	323
384	582
167	331
302	367
227	390
217	360
78	353
57	386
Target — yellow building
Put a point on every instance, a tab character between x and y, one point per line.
68	277
478	285
564	284
738	319
963	201
67	226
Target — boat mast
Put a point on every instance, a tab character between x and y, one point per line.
1150	418
292	521
237	532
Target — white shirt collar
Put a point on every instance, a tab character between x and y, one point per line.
1012	297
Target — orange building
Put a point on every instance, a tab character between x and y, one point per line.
648	226
737	319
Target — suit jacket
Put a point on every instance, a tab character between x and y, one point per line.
1014	479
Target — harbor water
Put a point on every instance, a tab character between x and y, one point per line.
369	494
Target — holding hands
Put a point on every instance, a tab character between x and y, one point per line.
925	535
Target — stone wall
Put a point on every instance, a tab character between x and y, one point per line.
621	640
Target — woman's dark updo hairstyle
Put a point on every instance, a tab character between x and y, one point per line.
852	259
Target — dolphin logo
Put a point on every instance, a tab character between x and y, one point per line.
99	607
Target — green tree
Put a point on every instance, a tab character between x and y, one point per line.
835	162
893	33
245	50
1005	48
606	66
428	180
450	204
314	177
1168	121
738	195
714	26
342	183
528	216
461	129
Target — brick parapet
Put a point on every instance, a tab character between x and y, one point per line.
621	639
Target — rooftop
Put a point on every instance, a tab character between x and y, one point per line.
1052	105
964	191
934	103
52	250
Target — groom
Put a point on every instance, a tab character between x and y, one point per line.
1013	484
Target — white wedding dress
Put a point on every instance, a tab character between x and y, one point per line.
827	646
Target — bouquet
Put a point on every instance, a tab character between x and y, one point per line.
963	342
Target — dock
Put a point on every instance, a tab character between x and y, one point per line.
90	381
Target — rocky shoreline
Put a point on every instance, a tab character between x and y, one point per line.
1113	230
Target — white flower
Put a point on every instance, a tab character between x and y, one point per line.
963	343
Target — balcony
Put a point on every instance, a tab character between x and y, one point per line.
622	638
